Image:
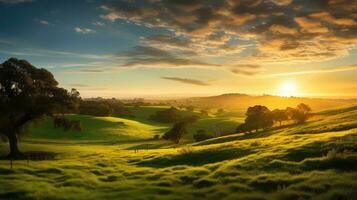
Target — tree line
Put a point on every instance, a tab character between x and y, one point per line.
261	118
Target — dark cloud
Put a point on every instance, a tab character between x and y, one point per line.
168	40
145	55
186	80
282	29
244	72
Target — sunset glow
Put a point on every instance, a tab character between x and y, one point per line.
288	89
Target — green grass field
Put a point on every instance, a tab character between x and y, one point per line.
316	160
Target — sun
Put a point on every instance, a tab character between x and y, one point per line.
287	89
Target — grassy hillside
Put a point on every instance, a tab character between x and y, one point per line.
98	128
137	127
240	102
316	160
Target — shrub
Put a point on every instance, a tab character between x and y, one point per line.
67	124
166	116
156	137
201	135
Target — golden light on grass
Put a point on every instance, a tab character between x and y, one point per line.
287	89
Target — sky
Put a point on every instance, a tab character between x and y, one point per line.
180	48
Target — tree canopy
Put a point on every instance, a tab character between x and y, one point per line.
26	94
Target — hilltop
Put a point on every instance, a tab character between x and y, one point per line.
240	102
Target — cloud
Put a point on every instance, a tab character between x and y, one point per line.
246	69
167	40
319	71
83	30
43	22
97	23
281	30
186	80
85	87
151	56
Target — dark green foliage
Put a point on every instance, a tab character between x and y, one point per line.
156	137
201	135
166	116
103	108
258	117
243	128
99	109
204	112
26	94
67	125
179	129
279	115
299	114
190	108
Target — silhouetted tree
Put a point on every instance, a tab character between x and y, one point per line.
190	108
166	116
243	128
301	113
258	117
179	129
279	116
204	112
220	111
201	135
26	94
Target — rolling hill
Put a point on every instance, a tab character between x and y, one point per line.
316	160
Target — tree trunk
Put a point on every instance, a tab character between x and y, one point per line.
14	150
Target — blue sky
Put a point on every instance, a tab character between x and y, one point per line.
168	48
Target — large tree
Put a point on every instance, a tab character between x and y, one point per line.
258	117
179	129
28	93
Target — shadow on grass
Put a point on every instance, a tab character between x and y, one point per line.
341	127
197	158
318	149
241	136
34	155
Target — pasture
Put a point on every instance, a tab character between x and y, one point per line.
108	160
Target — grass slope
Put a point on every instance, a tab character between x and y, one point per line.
98	128
316	160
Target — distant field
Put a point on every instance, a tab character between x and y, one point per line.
138	127
316	160
98	128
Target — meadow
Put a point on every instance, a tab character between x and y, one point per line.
111	160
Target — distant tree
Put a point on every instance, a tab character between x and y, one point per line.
179	129
300	114
190	108
66	124
95	108
201	135
26	94
243	128
220	111
204	112
258	117
279	116
166	116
